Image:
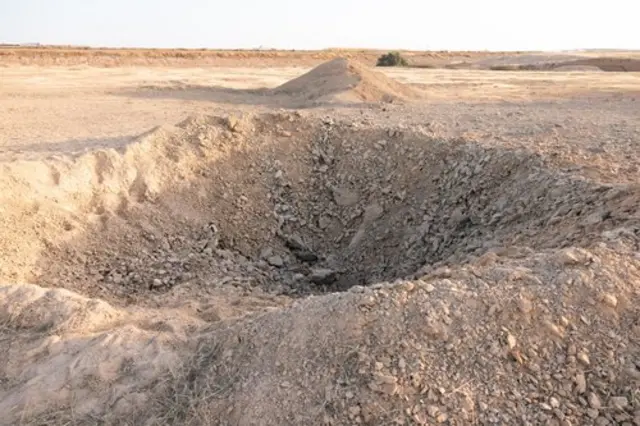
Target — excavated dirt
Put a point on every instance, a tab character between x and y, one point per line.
344	80
293	268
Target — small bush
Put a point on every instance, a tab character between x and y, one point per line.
392	59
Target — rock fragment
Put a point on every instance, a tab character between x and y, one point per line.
276	261
322	276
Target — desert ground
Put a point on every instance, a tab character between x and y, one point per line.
287	238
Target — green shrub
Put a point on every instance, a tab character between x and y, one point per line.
392	59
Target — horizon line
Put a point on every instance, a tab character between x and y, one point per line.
268	49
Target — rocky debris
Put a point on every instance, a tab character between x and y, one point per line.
210	240
355	199
471	344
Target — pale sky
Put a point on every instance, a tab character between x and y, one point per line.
298	24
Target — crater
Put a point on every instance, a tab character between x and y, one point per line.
296	205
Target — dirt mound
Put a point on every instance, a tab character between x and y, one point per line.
523	61
347	81
486	343
61	350
558	61
283	269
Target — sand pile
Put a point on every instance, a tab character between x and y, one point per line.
281	269
346	80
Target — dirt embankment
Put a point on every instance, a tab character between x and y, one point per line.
559	62
108	57
607	64
66	56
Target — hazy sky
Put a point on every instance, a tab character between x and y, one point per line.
408	24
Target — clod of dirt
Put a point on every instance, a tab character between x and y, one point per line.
343	80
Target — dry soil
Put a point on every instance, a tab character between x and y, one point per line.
191	246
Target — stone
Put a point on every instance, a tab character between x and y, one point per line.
344	197
294	242
428	287
357	238
305	255
389	388
584	358
324	222
593	219
420	418
609	300
525	305
275	261
619	402
354	411
372	213
441	418
581	383
384	378
266	253
594	401
511	341
569	256
233	123
555	329
433	411
323	276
